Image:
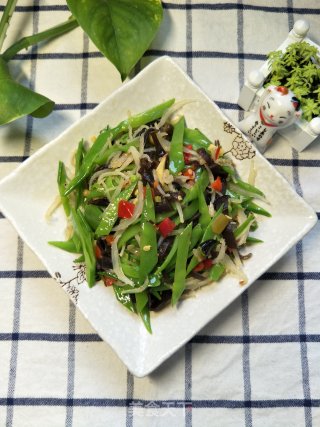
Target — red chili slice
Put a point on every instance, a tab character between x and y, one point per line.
218	152
97	252
199	267
188	173
109	240
108	281
187	156
125	209
217	184
203	265
166	227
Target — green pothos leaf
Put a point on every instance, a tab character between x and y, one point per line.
17	101
121	29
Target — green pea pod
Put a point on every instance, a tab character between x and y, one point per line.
104	155
77	242
92	214
94	152
128	234
176	158
242	227
86	237
245	189
217	271
62	182
148	249
195	236
79	260
169	257
95	192
207	235
230	171
68	245
251	240
110	215
148	212
202	181
196	138
178	286
188	211
90	159
130	271
205	217
253	207
143	309
80	153
123	298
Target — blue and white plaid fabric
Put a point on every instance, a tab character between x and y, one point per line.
258	363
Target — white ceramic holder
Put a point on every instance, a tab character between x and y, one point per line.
301	133
278	108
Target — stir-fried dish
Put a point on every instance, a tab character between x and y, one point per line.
156	210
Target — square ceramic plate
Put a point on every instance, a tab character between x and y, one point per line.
26	194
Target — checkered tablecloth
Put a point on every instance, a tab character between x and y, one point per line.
258	363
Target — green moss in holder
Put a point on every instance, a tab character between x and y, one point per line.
296	65
298	68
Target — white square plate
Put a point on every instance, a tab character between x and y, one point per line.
26	194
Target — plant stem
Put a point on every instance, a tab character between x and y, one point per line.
26	42
5	19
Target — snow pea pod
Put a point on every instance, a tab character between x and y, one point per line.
188	211
130	271
62	182
80	153
124	298
148	238
196	235
92	215
217	271
96	192
208	234
181	264
251	240
253	207
94	152
128	234
205	217
148	249
148	212
176	158
68	245
143	309
202	180
196	138
104	155
243	188
86	237
249	187
110	214
243	227
169	257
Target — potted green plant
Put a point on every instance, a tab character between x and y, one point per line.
295	65
298	69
